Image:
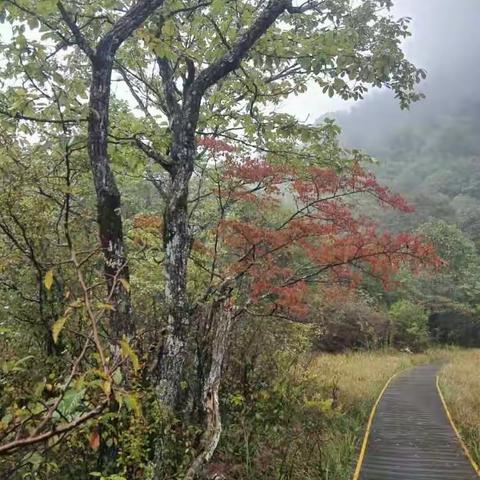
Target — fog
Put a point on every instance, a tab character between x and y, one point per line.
431	152
446	42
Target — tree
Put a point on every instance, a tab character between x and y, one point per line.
343	48
454	283
409	326
450	293
281	234
260	76
53	17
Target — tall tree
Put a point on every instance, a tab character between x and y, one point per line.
102	57
221	69
100	45
282	234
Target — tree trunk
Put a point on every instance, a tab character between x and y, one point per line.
184	119
177	241
222	322
108	197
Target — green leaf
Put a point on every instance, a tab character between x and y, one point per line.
33	23
57	327
168	29
128	352
117	377
45	7
132	403
107	387
106	306
125	284
217	6
48	280
71	401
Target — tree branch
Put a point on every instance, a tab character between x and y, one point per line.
23	442
231	60
20	116
151	153
74	28
169	88
134	17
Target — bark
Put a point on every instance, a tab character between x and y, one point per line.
211	406
108	196
177	241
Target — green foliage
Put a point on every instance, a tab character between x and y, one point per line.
455	281
53	300
409	325
275	416
451	293
451	244
458	279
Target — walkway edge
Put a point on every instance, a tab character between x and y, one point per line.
361	456
455	429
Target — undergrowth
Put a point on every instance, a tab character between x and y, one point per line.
304	419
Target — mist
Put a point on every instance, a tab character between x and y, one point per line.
445	42
429	153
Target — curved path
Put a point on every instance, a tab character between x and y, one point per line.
411	437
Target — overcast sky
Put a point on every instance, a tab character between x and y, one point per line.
445	41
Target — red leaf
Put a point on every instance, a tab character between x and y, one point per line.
94	440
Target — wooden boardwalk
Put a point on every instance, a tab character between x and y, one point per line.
411	437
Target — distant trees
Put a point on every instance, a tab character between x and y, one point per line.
450	296
350	321
432	157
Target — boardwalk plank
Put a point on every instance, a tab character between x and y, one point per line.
411	437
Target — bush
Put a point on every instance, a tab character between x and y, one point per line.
273	413
409	326
348	324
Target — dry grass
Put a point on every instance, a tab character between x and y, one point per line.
354	378
460	384
353	381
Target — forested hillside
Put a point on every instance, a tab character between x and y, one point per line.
430	152
431	155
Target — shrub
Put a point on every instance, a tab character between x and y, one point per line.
353	323
408	326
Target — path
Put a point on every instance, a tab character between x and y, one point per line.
411	437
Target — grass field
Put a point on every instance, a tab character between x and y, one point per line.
309	424
460	384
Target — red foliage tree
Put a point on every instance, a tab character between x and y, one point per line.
281	230
287	227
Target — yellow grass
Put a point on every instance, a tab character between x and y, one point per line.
460	384
354	381
359	377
